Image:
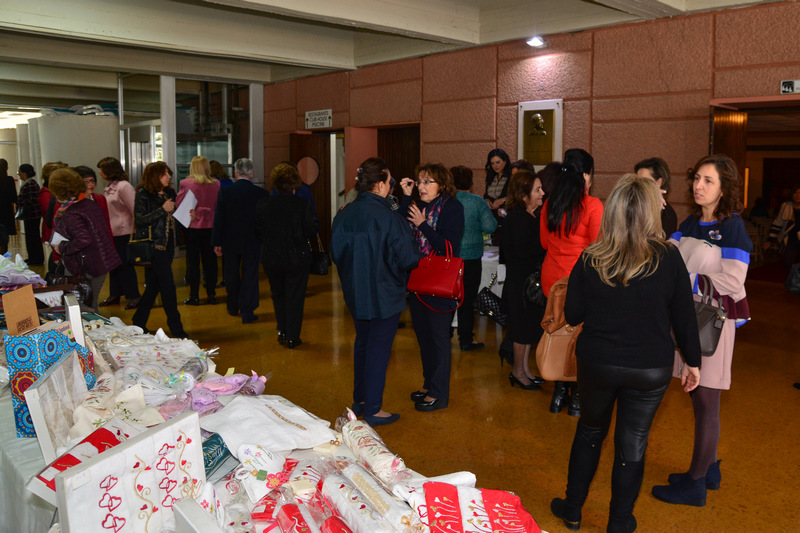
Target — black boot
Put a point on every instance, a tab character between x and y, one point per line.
574	401
560	397
583	459
626	481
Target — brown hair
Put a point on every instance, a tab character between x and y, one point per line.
519	188
462	178
48	169
151	177
730	184
285	178
658	167
371	172
112	169
65	183
441	175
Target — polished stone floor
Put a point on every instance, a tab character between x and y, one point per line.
507	436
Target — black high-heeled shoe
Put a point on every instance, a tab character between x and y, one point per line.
531	386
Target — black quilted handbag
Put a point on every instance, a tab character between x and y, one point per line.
320	260
488	303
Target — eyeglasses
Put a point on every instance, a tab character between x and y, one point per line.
426	183
392	183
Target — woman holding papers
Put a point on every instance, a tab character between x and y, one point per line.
199	190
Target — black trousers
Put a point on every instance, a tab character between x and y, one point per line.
466	313
198	248
288	289
433	336
159	279
33	241
637	394
122	280
241	280
371	353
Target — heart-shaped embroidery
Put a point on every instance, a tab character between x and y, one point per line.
168	501
165	466
143	507
136	465
110	502
108	483
167	484
113	522
165	449
139	487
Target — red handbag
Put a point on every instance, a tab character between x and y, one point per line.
439	276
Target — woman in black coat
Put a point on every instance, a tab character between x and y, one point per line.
8	199
437	220
523	255
152	212
285	223
31	214
374	250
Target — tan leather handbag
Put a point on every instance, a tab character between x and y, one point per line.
555	354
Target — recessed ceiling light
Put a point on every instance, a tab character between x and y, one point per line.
536	41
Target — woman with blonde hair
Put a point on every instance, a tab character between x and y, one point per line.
628	289
198	235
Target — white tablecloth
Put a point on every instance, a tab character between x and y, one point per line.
20	460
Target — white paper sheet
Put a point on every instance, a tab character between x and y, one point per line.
182	214
57	239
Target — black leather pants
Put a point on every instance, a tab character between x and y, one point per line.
637	393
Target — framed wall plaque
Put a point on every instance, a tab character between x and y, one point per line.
540	131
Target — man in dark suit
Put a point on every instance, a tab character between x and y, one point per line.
234	238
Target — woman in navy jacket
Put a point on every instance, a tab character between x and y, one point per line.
438	218
374	250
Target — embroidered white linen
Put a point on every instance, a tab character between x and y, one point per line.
270	421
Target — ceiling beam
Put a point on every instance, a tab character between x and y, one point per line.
648	9
25	72
446	21
190	29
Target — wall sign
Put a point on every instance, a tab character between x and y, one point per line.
321	118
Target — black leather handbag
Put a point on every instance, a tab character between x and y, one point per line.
141	251
320	260
488	303
532	288
78	285
710	318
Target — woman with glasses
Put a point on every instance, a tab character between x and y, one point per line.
436	220
498	174
374	250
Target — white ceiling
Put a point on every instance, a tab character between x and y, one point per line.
61	52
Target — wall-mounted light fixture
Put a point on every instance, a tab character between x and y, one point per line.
536	42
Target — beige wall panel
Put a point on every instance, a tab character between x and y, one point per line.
617	147
545	77
383	73
472	155
758	36
507	130
280	121
280	96
666	55
394	103
466	120
577	124
665	106
464	74
765	81
329	91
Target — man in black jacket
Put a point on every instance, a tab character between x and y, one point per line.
234	236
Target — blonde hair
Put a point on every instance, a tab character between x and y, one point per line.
631	239
200	170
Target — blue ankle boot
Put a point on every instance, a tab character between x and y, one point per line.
691	492
713	477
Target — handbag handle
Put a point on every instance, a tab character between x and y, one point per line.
492	282
708	292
